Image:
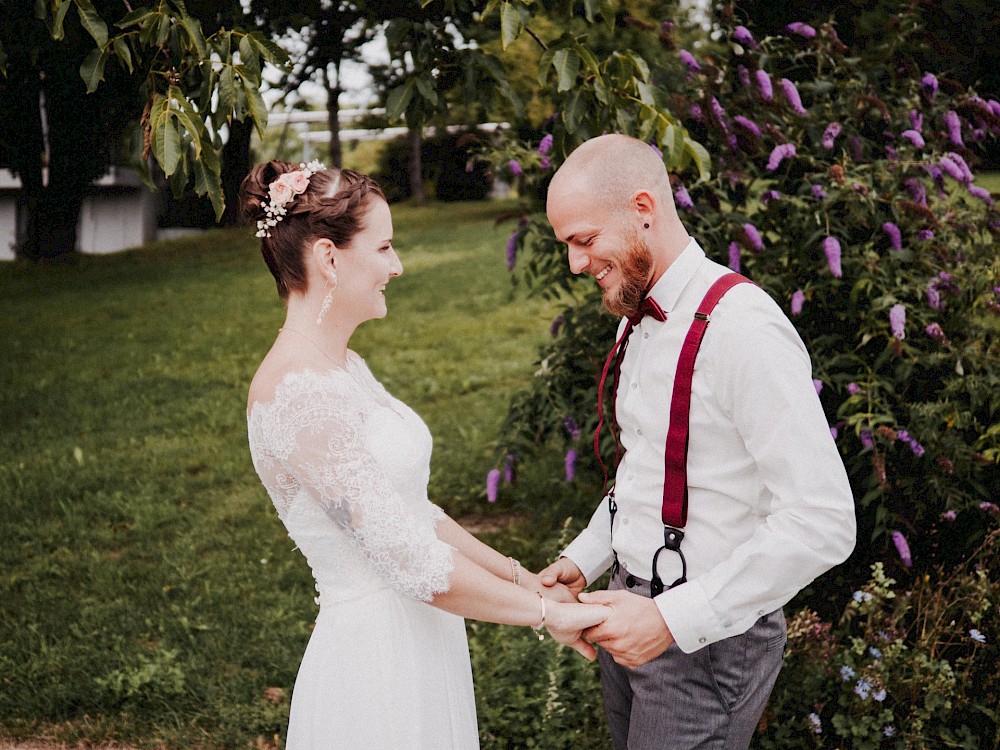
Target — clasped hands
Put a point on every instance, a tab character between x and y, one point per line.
633	632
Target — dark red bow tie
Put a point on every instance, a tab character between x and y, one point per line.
650	308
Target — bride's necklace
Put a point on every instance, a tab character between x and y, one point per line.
340	365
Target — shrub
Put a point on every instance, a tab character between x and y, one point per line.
448	163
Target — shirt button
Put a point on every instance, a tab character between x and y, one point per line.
638	432
760	611
645	335
629	477
702	639
634	386
625	521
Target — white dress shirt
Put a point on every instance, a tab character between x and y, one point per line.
769	504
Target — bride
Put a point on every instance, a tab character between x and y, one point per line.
346	466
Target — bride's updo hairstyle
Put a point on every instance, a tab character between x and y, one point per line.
332	206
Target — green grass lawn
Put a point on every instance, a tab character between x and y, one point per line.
149	593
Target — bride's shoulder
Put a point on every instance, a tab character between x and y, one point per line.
280	382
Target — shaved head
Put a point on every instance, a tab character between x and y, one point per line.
613	168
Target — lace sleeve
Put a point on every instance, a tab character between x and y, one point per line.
325	453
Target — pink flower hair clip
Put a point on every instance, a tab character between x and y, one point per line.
282	192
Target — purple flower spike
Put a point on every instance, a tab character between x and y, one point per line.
515	168
949	515
744	75
925	234
818	385
492	485
913	137
798	299
902	547
696	113
982	193
853	388
748	124
545	145
742	35
764	84
967	176
916	120
933	296
688	59
954	126
511	251
831	248
830	135
856	151
509	470
917	190
802	29
769	195
951	169
895	236
834	432
897	321
778	154
753	237
572	428
570	465
818	192
792	95
556	326
734	256
683	198
929	84
865	436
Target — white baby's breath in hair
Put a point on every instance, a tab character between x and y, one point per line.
282	192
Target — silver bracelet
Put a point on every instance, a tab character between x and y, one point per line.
515	571
541	625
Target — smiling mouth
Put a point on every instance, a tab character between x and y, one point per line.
603	273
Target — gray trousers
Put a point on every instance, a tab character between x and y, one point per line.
711	699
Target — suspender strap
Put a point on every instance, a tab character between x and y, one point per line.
675	489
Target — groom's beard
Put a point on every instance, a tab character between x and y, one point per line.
634	267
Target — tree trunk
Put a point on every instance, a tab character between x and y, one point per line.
235	166
417	192
26	154
333	123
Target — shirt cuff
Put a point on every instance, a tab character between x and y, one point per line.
590	554
689	616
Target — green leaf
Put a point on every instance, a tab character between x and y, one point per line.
123	52
398	100
590	9
543	66
249	59
702	159
426	89
167	143
645	93
227	91
134	18
92	69
92	22
511	24
573	111
567	65
57	20
255	106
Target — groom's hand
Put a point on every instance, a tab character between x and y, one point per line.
556	592
635	633
566	572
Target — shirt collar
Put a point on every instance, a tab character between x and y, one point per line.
668	289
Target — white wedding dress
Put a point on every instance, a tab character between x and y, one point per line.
346	465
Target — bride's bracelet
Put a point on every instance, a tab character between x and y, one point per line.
515	571
541	625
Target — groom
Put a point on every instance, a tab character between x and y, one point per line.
756	503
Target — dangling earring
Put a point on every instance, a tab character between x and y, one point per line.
327	300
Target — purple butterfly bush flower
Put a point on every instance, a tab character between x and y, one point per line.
719	112
744	75
913	137
818	192
903	548
853	388
572	429
866	439
792	95
916	120
769	195
683	198
897	321
818	385
917	190
734	256
925	234
834	432
688	59
556	326
512	251
764	84
933	296
929	84
982	193
778	154
742	35
949	515
830	135
895	236
515	168
544	162
696	114
890	154
831	248
570	465
855	144
753	237
492	485
509	469
967	175
994	106
954	126
802	29
749	124
951	169
545	145
798	300
656	149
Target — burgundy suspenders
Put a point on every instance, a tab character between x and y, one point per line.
673	512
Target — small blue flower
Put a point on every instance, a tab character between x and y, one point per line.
846	673
977	636
874	652
889	731
861	596
815	723
863	688
879	695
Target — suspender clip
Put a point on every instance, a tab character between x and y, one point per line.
702	316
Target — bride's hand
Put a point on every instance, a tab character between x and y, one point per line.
566	623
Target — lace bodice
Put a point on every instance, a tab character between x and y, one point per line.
346	466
